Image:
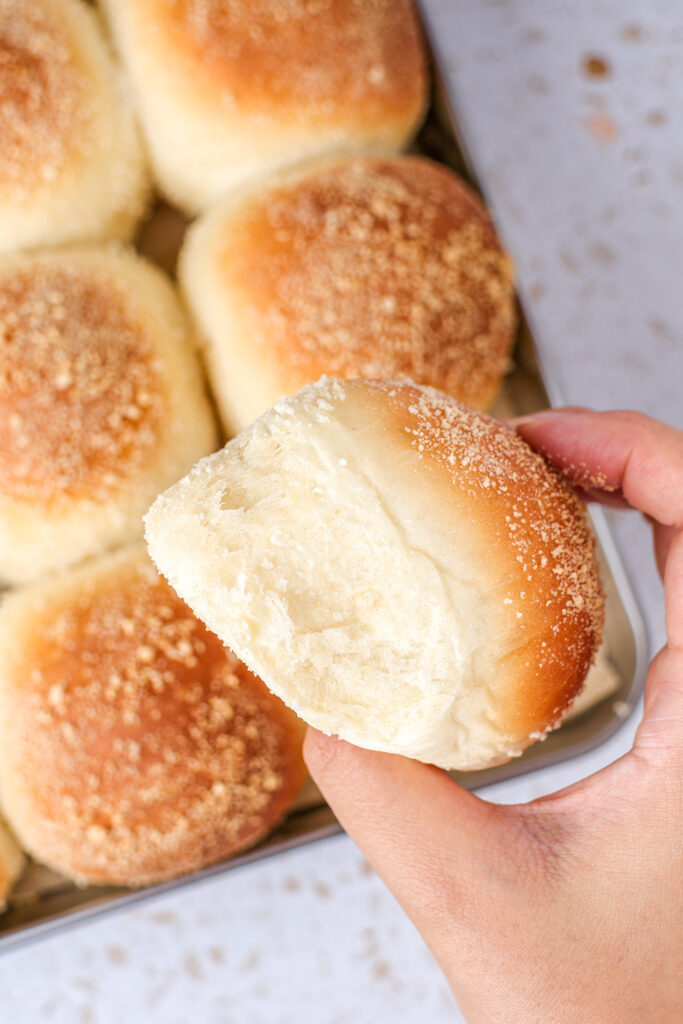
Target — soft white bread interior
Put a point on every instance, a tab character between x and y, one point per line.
402	571
229	92
11	863
133	745
371	267
71	160
102	404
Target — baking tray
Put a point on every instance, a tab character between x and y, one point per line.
44	902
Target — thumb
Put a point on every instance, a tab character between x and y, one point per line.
431	841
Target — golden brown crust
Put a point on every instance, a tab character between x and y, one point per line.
339	61
102	403
374	268
81	393
531	525
71	163
45	114
136	747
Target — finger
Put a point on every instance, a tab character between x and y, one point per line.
663	539
615	452
414	824
660	734
673	585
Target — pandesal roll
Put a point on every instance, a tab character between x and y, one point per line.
11	863
101	403
401	570
372	267
229	92
71	160
133	746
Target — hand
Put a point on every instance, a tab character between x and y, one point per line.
570	908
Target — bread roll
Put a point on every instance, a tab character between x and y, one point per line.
133	746
378	268
101	403
402	571
11	863
71	162
229	92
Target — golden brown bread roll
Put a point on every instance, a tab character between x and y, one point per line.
379	268
229	92
11	863
401	570
101	403
71	161
133	745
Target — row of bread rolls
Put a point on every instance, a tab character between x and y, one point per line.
101	399
134	747
370	265
402	571
225	93
384	268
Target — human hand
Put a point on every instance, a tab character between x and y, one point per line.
569	908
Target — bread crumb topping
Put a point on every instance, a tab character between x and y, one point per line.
82	392
152	747
378	269
45	113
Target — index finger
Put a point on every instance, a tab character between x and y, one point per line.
615	451
629	453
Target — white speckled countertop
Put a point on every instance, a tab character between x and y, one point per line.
586	176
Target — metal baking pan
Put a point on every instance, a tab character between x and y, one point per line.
43	902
